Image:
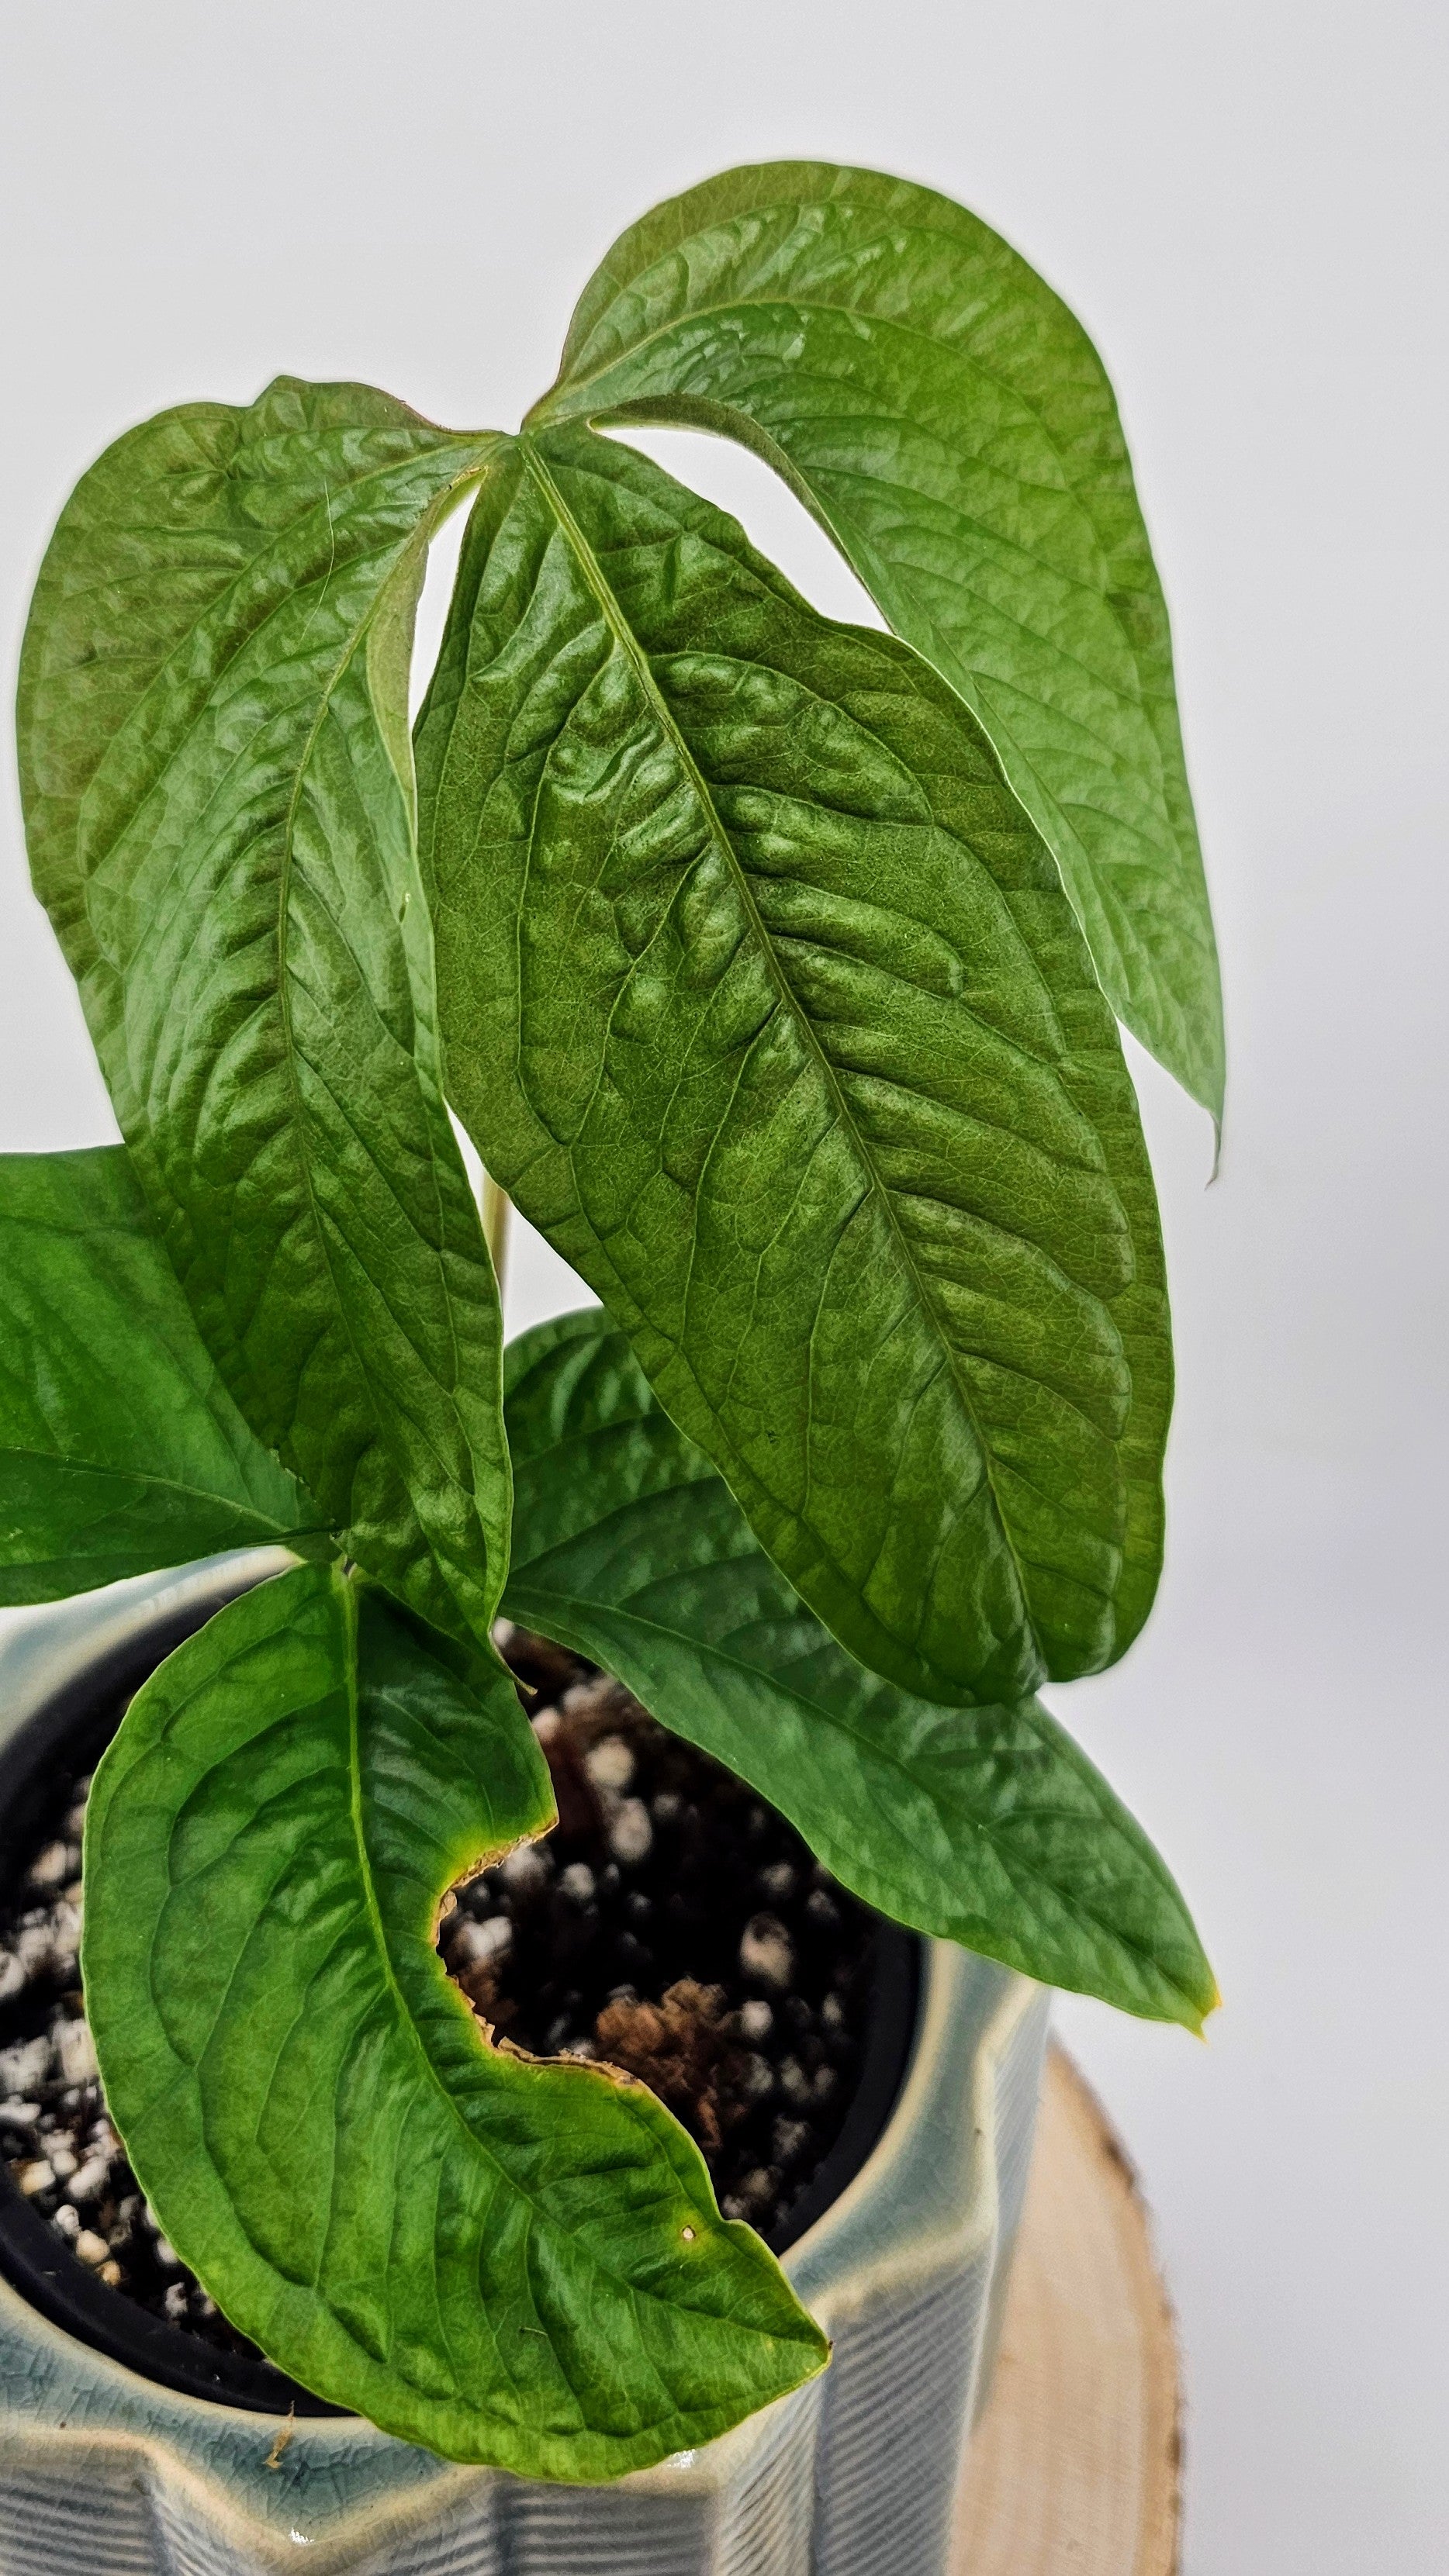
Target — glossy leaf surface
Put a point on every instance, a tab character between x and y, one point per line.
949	423
220	810
763	998
120	1448
985	1826
506	2260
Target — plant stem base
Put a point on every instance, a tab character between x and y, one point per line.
1073	2469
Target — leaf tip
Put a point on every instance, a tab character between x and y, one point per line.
1201	2002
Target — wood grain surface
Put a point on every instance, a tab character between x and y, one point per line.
1073	2467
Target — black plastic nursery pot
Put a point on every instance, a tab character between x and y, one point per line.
673	1922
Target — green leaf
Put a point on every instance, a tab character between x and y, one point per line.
120	1449
985	1826
762	997
950	425
508	2261
220	808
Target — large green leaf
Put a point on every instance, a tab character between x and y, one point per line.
219	802
508	2261
762	996
985	1826
120	1448
951	426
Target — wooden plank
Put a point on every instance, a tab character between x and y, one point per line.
1073	2469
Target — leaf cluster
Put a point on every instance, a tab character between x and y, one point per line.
774	967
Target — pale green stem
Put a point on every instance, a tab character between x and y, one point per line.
496	1204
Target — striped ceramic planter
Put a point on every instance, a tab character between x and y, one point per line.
103	2473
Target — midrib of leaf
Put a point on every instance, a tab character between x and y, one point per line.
629	644
656	1627
373	1910
165	1485
244	571
446	500
284	998
818	1712
432	2079
398	742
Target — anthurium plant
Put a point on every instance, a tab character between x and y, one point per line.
775	967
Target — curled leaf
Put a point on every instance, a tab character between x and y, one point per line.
505	2260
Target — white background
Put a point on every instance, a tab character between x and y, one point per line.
1244	202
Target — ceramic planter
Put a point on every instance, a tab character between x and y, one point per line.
104	2473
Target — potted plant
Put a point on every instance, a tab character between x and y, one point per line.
774	968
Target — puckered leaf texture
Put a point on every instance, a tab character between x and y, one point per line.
761	994
506	2260
986	1826
950	425
220	810
120	1448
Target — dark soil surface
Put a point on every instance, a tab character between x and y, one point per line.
672	1923
54	2134
676	1925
